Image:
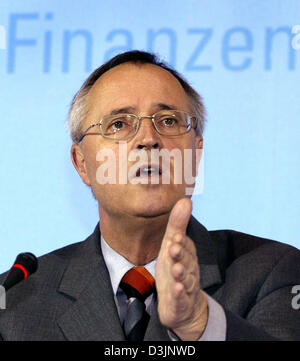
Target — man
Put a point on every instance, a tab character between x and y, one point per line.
220	285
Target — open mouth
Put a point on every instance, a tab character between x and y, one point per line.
148	170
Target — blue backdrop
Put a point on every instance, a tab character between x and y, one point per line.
242	56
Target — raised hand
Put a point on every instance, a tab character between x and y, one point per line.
182	306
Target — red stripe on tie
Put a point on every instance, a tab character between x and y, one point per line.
22	269
140	279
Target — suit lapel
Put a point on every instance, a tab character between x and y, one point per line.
210	275
155	330
93	314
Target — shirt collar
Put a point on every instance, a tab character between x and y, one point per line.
118	265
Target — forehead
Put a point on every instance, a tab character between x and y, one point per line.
139	86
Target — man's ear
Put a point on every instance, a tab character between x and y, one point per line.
79	163
199	142
199	151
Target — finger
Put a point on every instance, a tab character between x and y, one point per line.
184	241
178	291
176	246
189	283
179	238
189	278
183	251
180	297
176	252
178	272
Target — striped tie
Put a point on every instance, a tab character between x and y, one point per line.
137	284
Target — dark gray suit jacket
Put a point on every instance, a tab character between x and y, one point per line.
70	296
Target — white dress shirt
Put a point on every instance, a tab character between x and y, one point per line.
117	266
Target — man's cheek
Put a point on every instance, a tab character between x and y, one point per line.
106	167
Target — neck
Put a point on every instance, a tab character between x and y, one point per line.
138	239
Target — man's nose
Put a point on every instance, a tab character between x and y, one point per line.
147	136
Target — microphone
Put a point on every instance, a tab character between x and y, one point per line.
24	265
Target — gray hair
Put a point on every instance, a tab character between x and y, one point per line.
78	109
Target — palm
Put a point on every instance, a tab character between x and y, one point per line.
177	272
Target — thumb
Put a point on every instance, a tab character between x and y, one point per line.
179	218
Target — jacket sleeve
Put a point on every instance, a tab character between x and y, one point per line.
272	314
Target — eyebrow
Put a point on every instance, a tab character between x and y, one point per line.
130	110
162	106
122	110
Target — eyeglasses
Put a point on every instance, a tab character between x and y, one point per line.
125	126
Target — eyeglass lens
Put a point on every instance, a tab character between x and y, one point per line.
122	126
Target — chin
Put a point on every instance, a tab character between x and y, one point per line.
152	212
154	205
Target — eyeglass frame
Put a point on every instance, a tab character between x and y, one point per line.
193	125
